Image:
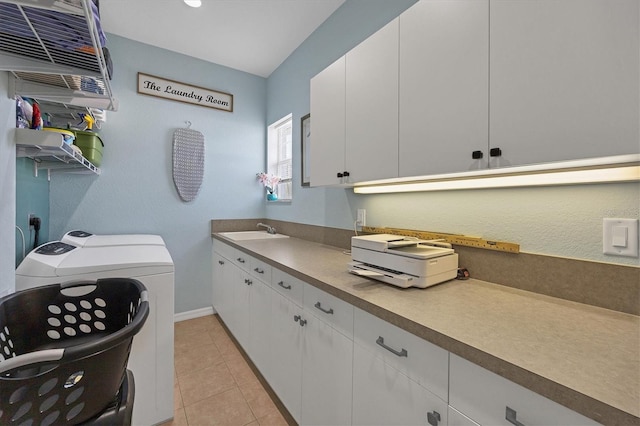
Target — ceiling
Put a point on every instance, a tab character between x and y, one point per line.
254	36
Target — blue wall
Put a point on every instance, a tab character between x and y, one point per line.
135	192
32	197
288	92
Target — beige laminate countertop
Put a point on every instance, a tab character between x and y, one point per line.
584	357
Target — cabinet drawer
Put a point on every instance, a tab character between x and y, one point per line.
224	250
485	397
241	259
260	270
336	312
422	361
288	286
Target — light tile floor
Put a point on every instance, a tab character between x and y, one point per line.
214	385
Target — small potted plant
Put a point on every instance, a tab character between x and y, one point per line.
269	181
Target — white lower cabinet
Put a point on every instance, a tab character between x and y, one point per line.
286	350
490	399
333	364
382	395
260	327
327	360
222	293
398	378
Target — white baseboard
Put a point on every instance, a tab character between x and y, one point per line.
196	313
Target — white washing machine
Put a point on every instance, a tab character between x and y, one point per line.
81	238
151	359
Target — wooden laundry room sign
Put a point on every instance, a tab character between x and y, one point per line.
182	92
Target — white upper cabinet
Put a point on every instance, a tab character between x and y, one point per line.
564	79
372	107
461	85
326	156
444	86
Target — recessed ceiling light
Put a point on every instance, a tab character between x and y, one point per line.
193	3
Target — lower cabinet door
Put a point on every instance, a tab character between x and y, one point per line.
327	357
260	327
490	399
225	304
286	353
242	286
383	395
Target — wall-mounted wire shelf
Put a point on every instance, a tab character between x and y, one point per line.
51	153
54	49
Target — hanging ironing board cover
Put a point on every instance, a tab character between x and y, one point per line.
188	162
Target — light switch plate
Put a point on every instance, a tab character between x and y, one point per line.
620	237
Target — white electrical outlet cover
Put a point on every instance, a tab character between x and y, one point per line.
620	237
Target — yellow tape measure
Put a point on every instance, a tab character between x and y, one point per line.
458	239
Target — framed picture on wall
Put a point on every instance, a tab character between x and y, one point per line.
305	140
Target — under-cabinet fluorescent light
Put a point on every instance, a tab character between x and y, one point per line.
582	172
193	3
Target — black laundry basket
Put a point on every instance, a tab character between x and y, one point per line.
64	349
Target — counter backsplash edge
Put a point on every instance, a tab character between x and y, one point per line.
609	286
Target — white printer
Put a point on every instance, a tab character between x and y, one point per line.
403	261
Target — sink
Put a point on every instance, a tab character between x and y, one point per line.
251	235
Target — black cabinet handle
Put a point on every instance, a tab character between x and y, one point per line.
326	311
433	418
495	152
345	174
400	353
476	155
511	415
340	175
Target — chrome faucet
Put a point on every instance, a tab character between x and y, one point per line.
270	229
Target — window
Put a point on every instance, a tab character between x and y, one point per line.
280	156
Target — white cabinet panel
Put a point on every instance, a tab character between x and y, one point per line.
326	374
287	285
328	114
564	79
383	395
444	86
424	362
486	397
260	269
372	106
260	327
336	312
286	353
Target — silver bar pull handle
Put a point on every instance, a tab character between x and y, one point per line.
258	270
241	260
326	311
511	415
402	352
286	287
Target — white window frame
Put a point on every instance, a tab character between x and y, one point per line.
280	156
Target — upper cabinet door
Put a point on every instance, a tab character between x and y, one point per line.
444	86
564	79
328	115
372	107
